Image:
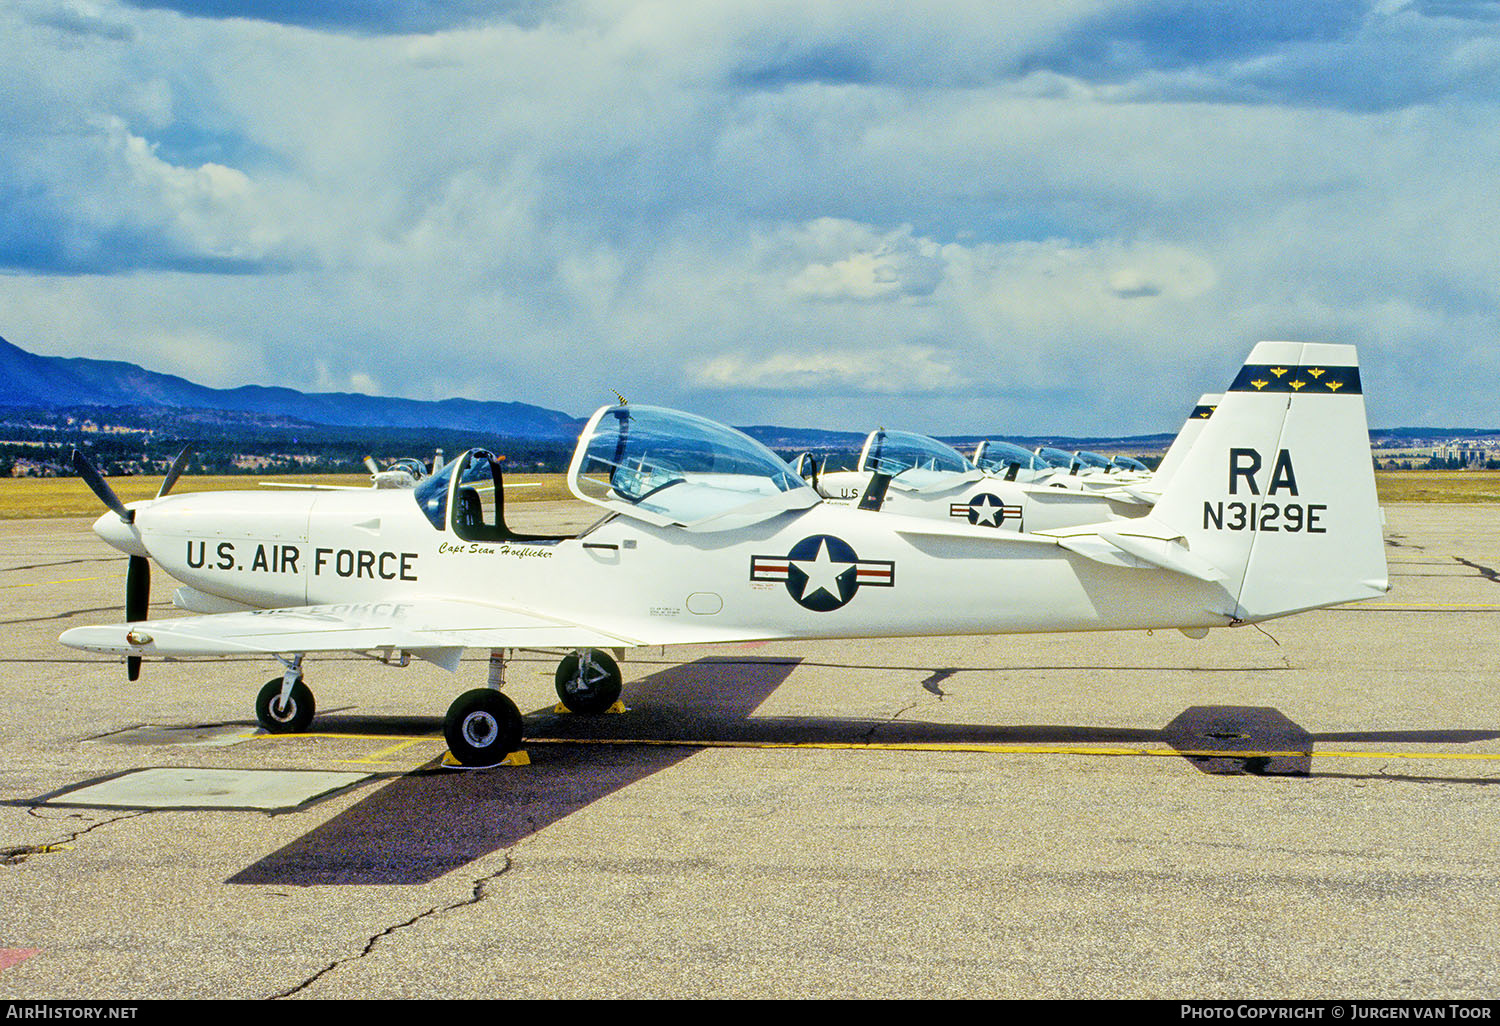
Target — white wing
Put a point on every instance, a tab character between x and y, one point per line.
434	629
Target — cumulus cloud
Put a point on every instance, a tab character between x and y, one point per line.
908	370
868	267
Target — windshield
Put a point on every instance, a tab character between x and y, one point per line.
1127	463
432	497
681	467
894	452
1093	459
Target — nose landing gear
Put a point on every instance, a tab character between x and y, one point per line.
285	705
588	681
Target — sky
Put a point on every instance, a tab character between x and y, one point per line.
947	216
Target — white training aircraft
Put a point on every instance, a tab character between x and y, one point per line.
914	475
709	537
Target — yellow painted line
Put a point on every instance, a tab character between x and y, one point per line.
374	758
918	746
43	584
403	739
1025	749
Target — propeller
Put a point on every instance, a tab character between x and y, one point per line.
372	466
174	471
138	568
137	604
100	487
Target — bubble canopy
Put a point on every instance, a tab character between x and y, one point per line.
1000	456
895	452
668	467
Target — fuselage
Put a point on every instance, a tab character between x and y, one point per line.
826	571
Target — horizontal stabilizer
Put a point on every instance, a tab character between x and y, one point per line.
1142	543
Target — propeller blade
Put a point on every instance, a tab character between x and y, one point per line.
137	588
371	465
137	603
174	471
100	487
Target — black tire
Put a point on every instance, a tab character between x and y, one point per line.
294	718
592	695
482	727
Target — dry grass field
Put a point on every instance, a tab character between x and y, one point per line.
1438	485
22	498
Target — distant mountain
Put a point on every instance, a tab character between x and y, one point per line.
55	381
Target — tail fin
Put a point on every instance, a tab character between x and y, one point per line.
1278	492
1191	429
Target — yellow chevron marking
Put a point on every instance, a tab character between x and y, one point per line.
1260	384
1298	384
1334	386
1316	372
1278	371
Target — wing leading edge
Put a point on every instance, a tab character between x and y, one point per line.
437	630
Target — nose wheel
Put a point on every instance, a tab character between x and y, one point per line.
588	681
291	715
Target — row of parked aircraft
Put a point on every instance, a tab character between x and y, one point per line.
1264	509
1002	485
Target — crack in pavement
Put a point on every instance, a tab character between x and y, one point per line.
476	895
20	853
929	684
65	562
938	676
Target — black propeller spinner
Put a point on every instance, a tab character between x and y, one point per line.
138	568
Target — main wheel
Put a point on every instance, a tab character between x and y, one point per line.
588	685
482	727
291	718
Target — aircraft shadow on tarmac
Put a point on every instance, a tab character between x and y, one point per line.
429	822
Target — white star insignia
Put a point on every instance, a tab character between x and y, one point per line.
822	573
986	512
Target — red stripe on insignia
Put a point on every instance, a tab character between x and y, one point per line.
769	568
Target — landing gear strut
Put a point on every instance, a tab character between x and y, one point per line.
484	726
588	681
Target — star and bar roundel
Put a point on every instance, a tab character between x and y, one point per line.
984	510
823	573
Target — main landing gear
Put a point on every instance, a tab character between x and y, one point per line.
482	726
